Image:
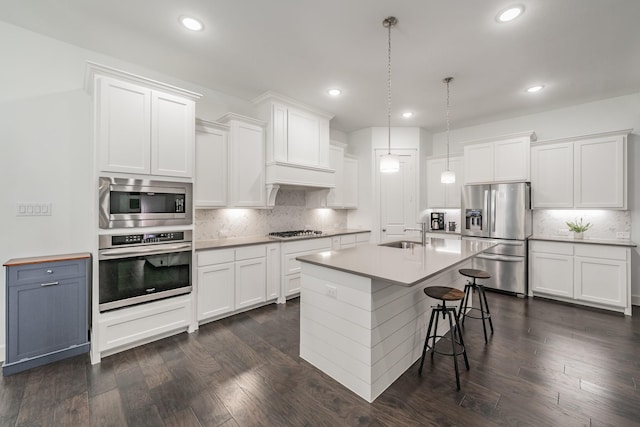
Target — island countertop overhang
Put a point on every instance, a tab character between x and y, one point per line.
403	267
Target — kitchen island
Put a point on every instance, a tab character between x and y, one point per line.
363	312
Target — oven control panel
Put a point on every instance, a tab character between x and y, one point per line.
107	241
133	239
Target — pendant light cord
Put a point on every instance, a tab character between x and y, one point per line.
389	22
447	80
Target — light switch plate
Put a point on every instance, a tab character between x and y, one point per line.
34	209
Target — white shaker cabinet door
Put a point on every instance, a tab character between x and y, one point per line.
216	290
251	282
335	198
172	135
478	163
511	160
248	184
599	173
303	138
552	176
210	183
350	183
601	281
552	274
123	126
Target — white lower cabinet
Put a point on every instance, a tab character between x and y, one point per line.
230	280
291	266
589	274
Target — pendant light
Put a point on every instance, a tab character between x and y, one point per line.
448	176
389	163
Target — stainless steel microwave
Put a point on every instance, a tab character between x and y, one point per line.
128	203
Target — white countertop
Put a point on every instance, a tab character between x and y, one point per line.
588	240
404	267
257	240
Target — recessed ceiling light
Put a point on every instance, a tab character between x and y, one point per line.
534	89
510	13
191	23
334	92
407	114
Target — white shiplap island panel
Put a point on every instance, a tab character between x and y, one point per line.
363	312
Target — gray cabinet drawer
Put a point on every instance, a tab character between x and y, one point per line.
46	272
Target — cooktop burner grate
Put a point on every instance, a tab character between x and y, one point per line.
295	233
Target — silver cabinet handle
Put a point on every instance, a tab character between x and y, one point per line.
49	284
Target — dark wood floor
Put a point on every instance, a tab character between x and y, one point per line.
546	365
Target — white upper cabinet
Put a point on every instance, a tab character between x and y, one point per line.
580	172
350	183
297	151
600	176
335	198
502	159
211	174
441	195
345	193
246	161
141	126
552	176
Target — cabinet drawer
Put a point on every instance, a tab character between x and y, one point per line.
363	237
349	239
248	252
598	251
46	272
551	247
216	256
318	244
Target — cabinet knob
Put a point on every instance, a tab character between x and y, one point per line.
384	230
49	271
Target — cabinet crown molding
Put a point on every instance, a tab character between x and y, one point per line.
94	69
444	156
233	116
623	132
211	124
530	134
274	96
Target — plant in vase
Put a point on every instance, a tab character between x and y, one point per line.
578	228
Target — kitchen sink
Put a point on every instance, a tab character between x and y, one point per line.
401	244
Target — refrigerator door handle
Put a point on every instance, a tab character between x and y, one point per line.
493	211
485	220
501	258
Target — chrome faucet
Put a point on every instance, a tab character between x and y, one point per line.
422	230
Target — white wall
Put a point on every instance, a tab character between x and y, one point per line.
595	117
46	152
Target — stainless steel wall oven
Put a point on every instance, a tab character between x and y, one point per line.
143	267
127	203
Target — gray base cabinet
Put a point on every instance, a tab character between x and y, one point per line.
47	311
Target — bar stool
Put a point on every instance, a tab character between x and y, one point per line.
469	288
444	294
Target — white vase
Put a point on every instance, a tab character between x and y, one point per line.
578	234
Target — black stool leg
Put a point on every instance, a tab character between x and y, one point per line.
453	346
426	341
464	304
482	312
437	310
486	305
464	349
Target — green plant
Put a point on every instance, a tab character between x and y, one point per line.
577	226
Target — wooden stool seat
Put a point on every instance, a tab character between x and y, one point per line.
444	293
476	274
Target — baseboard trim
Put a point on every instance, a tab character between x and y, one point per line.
635	300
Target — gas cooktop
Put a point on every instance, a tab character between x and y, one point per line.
283	235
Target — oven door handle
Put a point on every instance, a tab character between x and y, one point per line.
124	252
501	258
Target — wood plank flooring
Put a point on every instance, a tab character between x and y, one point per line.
547	364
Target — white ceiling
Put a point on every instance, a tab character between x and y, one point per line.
581	50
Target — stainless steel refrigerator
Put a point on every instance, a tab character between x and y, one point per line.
502	213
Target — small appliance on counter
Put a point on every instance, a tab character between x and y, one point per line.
452	226
437	220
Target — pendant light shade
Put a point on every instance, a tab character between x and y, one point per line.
448	176
389	163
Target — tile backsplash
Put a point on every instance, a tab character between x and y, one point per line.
289	213
605	223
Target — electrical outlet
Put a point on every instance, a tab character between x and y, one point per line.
34	209
332	291
622	235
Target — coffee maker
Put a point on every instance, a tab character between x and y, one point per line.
437	220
